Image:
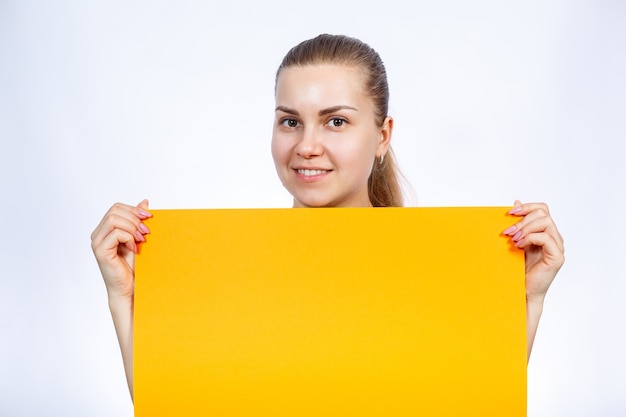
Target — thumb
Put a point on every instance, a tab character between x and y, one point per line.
144	204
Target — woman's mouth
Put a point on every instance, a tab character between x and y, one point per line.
312	172
311	175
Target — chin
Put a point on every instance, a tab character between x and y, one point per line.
312	202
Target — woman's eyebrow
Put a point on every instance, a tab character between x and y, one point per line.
322	112
334	109
287	110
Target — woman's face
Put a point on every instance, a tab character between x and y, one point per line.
325	137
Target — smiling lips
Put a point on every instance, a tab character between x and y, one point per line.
310	174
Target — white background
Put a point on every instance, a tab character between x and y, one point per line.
114	101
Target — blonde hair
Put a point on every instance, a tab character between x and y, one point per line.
384	181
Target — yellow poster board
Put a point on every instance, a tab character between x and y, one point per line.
330	312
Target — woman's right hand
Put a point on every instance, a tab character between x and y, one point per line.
114	243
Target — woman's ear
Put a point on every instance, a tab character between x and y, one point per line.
385	136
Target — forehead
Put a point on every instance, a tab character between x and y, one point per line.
320	82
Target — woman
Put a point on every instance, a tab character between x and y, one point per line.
331	148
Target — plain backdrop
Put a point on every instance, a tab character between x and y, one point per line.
116	101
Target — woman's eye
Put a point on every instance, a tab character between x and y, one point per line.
336	122
288	122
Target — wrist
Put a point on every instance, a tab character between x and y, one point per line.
119	302
535	301
534	308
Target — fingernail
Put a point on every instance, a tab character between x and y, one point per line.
510	230
515	210
139	236
517	236
143	214
520	243
143	228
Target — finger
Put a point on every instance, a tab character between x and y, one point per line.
542	224
520	209
552	254
129	212
535	224
108	249
142	211
116	221
119	219
530	217
117	208
537	210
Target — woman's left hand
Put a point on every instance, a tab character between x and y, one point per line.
543	247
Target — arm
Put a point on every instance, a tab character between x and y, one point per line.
543	247
114	243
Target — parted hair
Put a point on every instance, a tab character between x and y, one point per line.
384	182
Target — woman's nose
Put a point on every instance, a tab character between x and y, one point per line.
310	144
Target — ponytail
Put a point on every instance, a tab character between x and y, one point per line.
383	184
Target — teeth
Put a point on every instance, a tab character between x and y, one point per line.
310	172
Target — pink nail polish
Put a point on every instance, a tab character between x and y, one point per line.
139	236
520	243
143	228
515	210
517	236
509	231
143	214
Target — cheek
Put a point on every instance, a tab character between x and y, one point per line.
280	149
359	152
275	146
